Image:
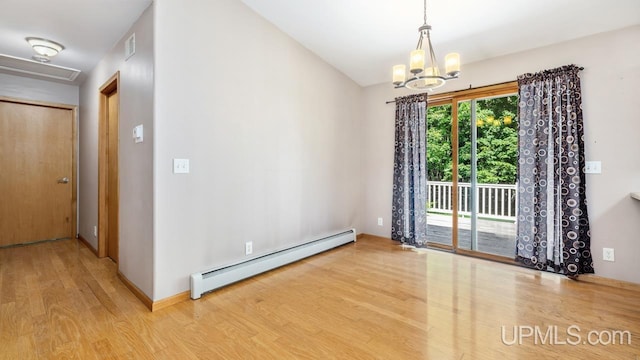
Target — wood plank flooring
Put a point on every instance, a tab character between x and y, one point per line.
369	300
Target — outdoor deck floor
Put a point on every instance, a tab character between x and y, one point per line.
494	237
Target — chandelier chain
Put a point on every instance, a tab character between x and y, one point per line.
425	12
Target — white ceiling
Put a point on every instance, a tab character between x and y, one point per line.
365	38
87	28
362	38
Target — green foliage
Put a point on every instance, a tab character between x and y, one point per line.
497	136
439	143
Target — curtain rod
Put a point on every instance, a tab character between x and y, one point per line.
470	87
453	92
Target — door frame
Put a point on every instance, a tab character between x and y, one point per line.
453	99
110	86
74	151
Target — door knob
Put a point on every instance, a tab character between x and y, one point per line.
64	180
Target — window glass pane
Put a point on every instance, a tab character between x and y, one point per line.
439	166
497	146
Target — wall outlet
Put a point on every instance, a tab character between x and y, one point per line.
593	167
379	221
180	166
608	254
248	248
95	231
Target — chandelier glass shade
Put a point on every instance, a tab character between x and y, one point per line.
423	67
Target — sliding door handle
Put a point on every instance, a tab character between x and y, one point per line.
64	180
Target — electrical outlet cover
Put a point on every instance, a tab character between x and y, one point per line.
593	167
180	166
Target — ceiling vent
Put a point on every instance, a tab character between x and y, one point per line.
26	66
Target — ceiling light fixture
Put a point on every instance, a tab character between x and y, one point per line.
426	75
44	48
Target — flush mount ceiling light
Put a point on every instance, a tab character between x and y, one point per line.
44	48
426	74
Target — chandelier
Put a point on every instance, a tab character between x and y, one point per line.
425	71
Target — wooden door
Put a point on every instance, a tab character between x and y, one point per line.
36	172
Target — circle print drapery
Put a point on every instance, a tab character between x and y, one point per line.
409	207
553	225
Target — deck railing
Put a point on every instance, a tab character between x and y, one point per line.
497	201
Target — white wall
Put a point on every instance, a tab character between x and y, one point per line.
135	160
610	88
38	90
272	133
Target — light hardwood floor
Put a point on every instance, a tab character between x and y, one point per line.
369	300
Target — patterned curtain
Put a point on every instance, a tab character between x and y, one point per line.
409	210
553	226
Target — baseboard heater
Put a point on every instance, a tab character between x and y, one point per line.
210	280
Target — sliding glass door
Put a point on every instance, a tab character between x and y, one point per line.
472	187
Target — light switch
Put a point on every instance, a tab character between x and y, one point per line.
180	166
138	134
593	167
